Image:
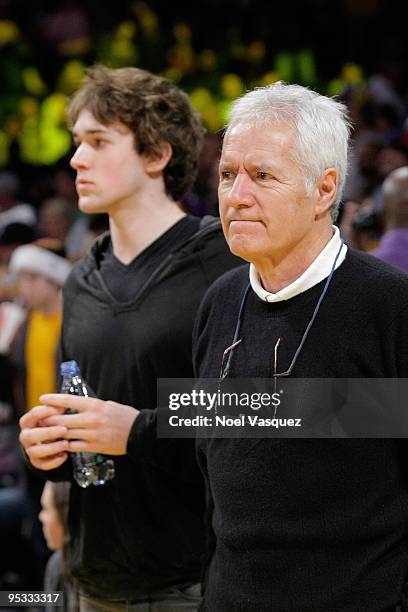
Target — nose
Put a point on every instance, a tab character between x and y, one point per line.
79	158
239	194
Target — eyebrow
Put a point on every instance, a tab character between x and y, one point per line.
226	164
96	131
261	167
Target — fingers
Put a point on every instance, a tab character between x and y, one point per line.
49	455
81	421
41	435
44	446
88	446
47	451
49	463
97	426
33	416
68	420
64	400
79	446
88	435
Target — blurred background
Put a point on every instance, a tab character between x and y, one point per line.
215	50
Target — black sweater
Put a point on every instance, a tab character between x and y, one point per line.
307	525
142	531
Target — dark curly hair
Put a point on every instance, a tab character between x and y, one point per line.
154	109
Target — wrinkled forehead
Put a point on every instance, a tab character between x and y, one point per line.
274	139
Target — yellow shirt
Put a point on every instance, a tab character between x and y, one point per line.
43	333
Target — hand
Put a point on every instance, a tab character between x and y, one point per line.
98	426
43	445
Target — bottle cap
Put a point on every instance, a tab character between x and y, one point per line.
69	367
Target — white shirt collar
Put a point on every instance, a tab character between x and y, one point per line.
318	270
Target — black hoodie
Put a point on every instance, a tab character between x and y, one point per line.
143	531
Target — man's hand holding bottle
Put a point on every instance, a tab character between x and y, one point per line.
97	426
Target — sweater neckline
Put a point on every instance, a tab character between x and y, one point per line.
318	270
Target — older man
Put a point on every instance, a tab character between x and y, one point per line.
300	525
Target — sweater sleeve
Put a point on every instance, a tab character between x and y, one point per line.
174	456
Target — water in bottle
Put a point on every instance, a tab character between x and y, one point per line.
89	468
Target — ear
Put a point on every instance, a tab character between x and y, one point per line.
156	164
326	189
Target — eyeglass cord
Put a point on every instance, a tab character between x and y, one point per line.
235	342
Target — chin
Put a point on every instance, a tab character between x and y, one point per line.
88	207
243	248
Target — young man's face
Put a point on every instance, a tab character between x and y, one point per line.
110	173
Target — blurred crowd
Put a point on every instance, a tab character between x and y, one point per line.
37	248
46	45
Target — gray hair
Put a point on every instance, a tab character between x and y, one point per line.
321	125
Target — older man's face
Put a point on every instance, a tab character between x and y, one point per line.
264	209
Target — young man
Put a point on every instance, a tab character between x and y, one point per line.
129	308
294	525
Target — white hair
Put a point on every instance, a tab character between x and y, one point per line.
321	125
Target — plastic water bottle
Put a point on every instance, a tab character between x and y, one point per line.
89	468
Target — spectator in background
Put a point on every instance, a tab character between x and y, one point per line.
18	561
360	224
207	178
363	176
77	239
97	225
56	216
12	236
54	520
59	219
64	186
391	157
393	246
11	209
42	269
